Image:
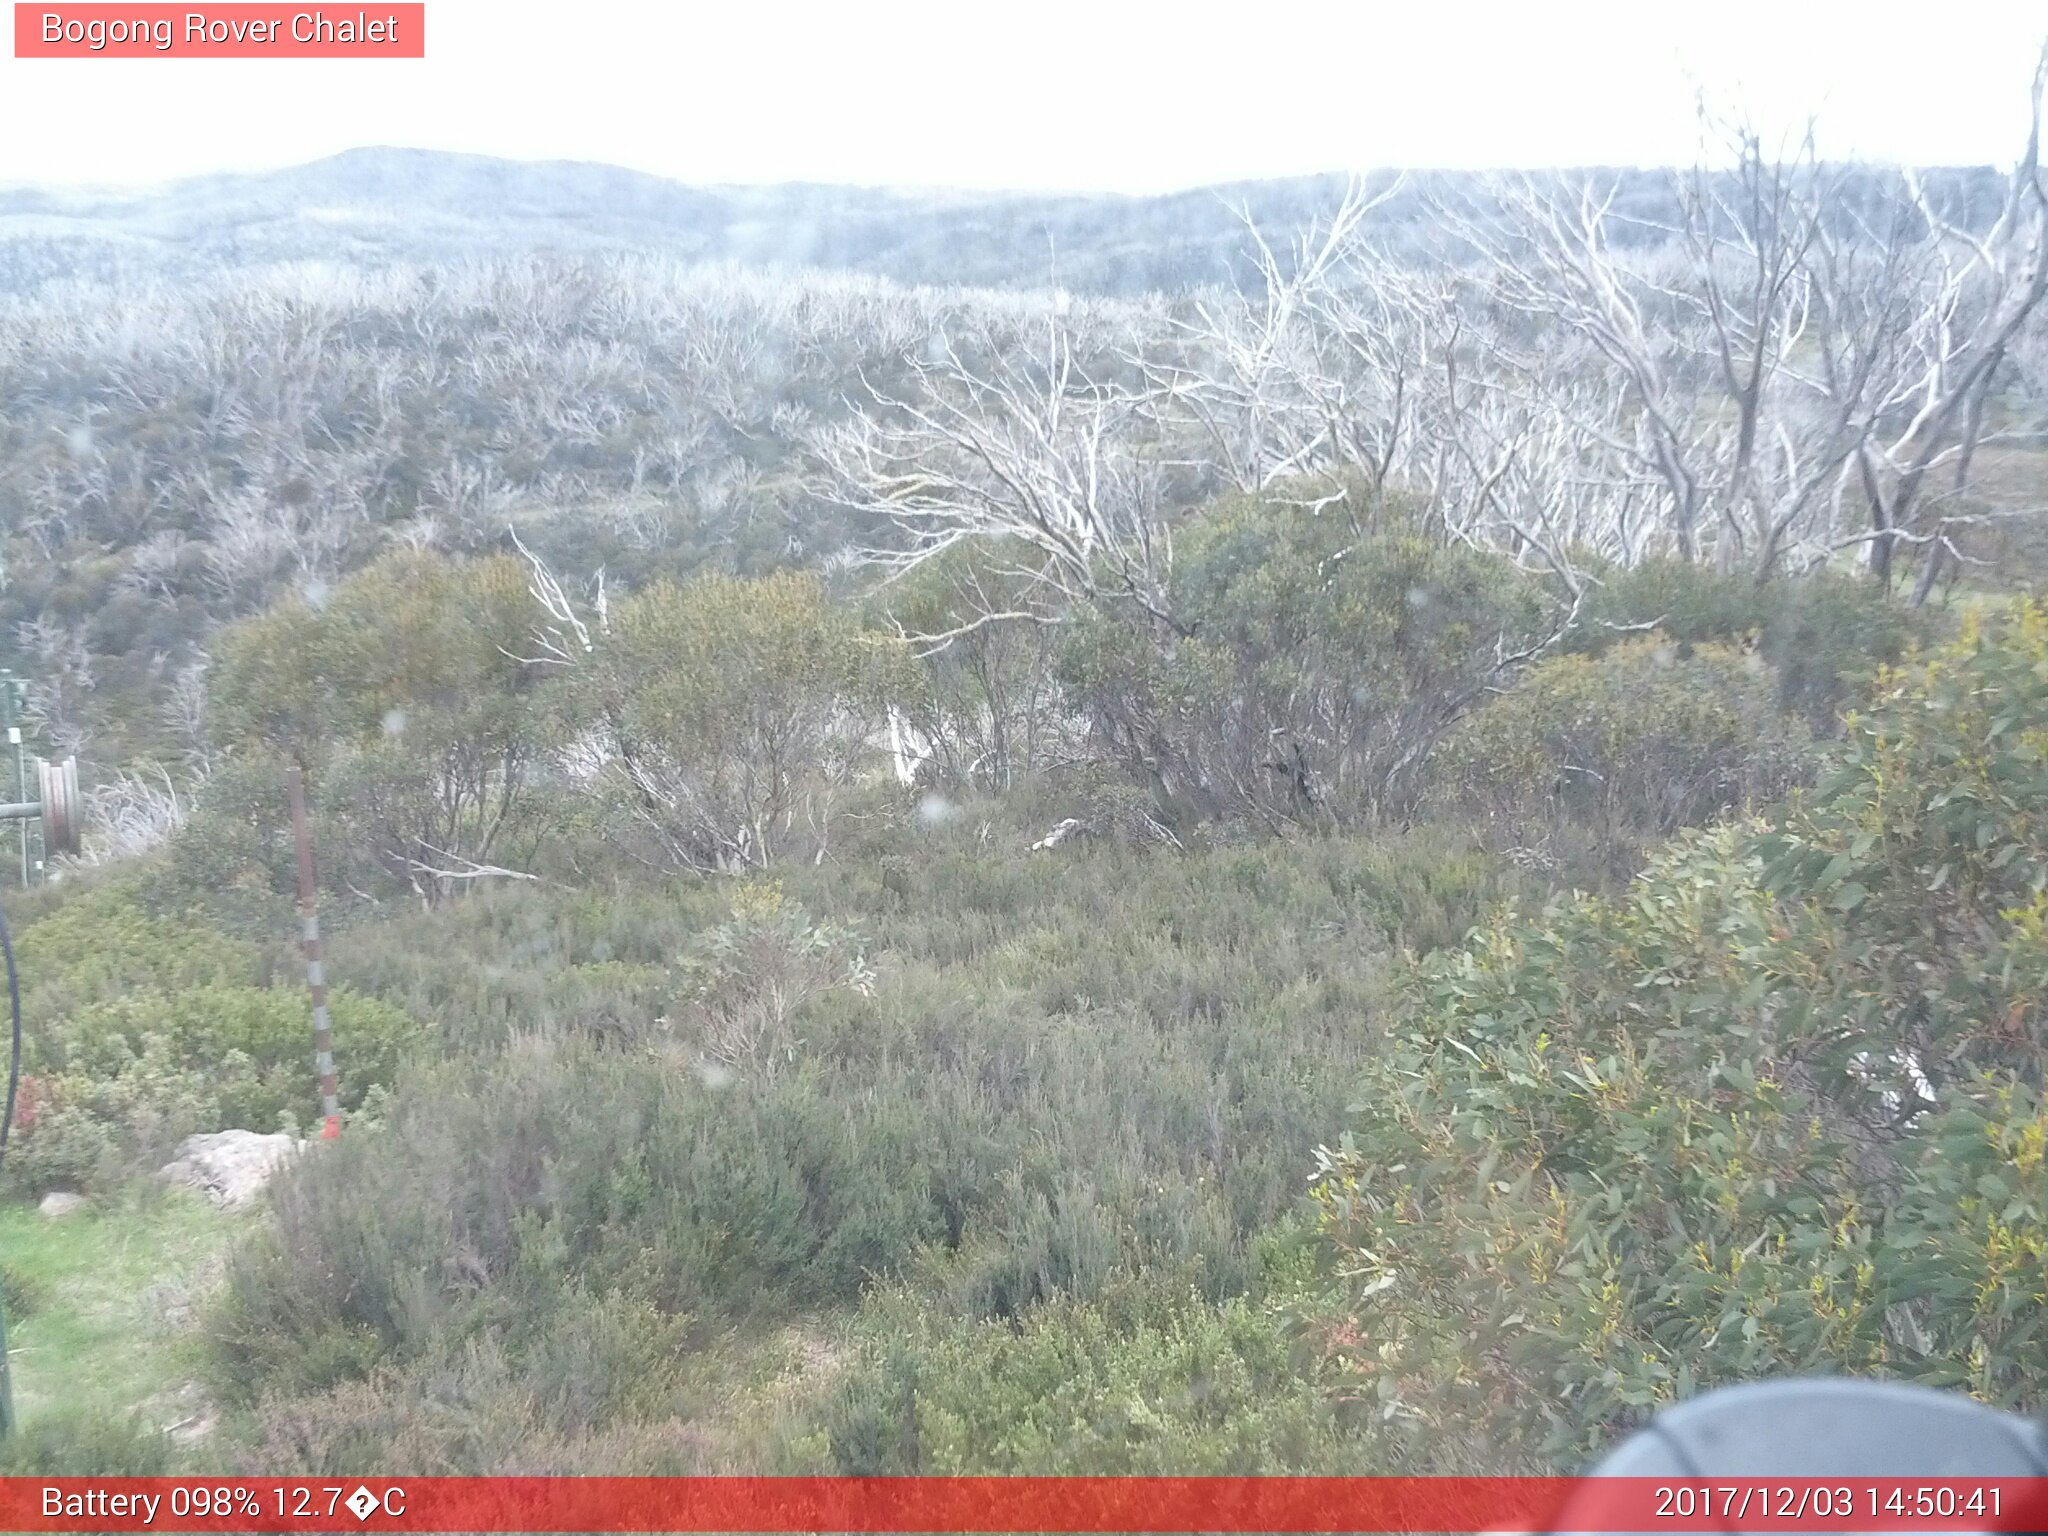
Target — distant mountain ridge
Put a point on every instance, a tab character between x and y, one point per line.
379	205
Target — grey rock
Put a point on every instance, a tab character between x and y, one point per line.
230	1167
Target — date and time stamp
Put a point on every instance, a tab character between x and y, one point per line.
1717	1504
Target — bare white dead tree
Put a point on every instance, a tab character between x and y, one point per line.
1980	292
184	714
442	869
1031	453
1303	370
1783	351
562	635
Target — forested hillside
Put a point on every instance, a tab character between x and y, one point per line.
1385	867
383	207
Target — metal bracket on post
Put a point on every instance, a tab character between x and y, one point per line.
57	806
63	811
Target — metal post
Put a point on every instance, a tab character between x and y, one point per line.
316	974
20	780
10	716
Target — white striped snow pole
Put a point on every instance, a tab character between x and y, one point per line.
316	973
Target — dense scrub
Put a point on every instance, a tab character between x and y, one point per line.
144	1029
1822	635
1313	661
1146	1379
1049	1078
1776	1107
222	444
1593	758
1384	869
725	1101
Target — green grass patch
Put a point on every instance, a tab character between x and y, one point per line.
103	1312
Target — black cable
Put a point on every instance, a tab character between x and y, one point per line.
7	1420
14	1060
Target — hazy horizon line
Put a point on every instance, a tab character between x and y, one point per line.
915	189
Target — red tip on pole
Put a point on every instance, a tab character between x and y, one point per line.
331	1131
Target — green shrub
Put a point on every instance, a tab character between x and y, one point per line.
1064	1070
1147	1380
730	713
234	859
748	978
1621	748
142	1029
1913	881
493	1182
114	1086
1776	1108
1824	635
603	1386
1312	661
103	944
404	694
88	1445
983	703
23	1295
524	959
1586	1183
608	999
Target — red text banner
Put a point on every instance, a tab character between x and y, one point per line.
224	31
1017	1504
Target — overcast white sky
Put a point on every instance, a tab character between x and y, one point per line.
1124	95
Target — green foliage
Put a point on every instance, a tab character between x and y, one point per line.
1823	635
732	712
414	633
1314	660
102	944
983	701
1576	1191
1621	748
1913	880
1064	1072
1777	1108
21	1293
114	1087
607	1386
1023	1134
143	1029
404	695
496	1183
1013	1144
1553	1181
1147	1380
521	961
234	858
88	1445
748	978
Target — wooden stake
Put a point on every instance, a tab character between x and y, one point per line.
316	973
